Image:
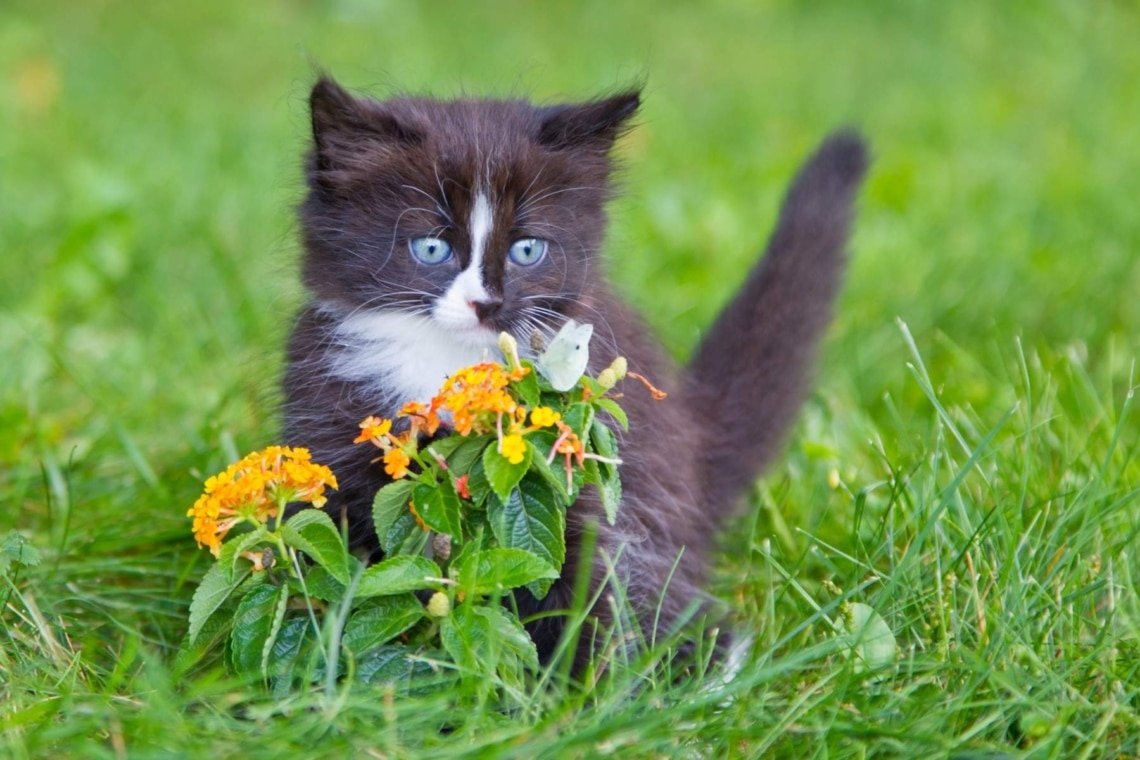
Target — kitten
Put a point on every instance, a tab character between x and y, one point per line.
430	226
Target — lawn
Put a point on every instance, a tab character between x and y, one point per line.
966	467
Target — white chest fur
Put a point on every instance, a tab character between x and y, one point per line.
403	356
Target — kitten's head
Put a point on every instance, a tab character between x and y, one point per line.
480	215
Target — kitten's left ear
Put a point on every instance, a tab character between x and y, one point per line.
597	123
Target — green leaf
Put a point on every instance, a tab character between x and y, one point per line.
313	532
379	620
16	548
604	444
397	575
292	637
486	640
580	416
254	621
274	629
556	479
611	407
532	520
320	584
501	474
477	484
211	594
444	447
439	507
389	506
511	635
464	636
469	451
499	570
398	665
609	488
233	549
529	390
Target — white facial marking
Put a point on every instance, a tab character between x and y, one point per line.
405	355
454	310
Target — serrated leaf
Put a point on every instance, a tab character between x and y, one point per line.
16	548
377	621
611	407
870	639
604	444
501	474
320	584
609	493
211	594
469	451
389	506
439	507
233	549
313	532
486	640
477	484
396	666
397	575
556	479
290	644
274	629
529	390
464	636
497	570
511	635
531	520
253	622
580	416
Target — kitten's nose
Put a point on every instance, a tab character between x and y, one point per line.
484	310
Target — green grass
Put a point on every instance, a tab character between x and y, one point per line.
983	456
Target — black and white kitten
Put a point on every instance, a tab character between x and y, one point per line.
430	226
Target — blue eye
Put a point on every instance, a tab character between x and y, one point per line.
528	251
430	250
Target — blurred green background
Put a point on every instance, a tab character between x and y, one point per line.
150	156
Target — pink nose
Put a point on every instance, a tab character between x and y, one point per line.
484	310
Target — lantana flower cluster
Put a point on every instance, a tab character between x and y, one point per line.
477	400
256	489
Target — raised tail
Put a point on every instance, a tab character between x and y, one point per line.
752	370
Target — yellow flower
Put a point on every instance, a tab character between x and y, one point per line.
544	416
396	463
513	448
255	489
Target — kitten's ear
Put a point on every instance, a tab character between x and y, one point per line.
597	123
346	128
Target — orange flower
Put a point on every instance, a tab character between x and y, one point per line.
256	489
513	448
423	417
396	463
373	428
475	396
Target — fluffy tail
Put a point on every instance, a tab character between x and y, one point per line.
751	372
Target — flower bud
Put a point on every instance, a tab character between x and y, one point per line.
507	344
439	605
441	545
613	374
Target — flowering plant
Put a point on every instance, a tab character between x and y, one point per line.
481	478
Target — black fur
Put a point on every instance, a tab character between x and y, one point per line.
381	173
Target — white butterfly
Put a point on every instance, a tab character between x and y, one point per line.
565	359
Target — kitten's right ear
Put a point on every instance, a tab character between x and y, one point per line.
347	130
